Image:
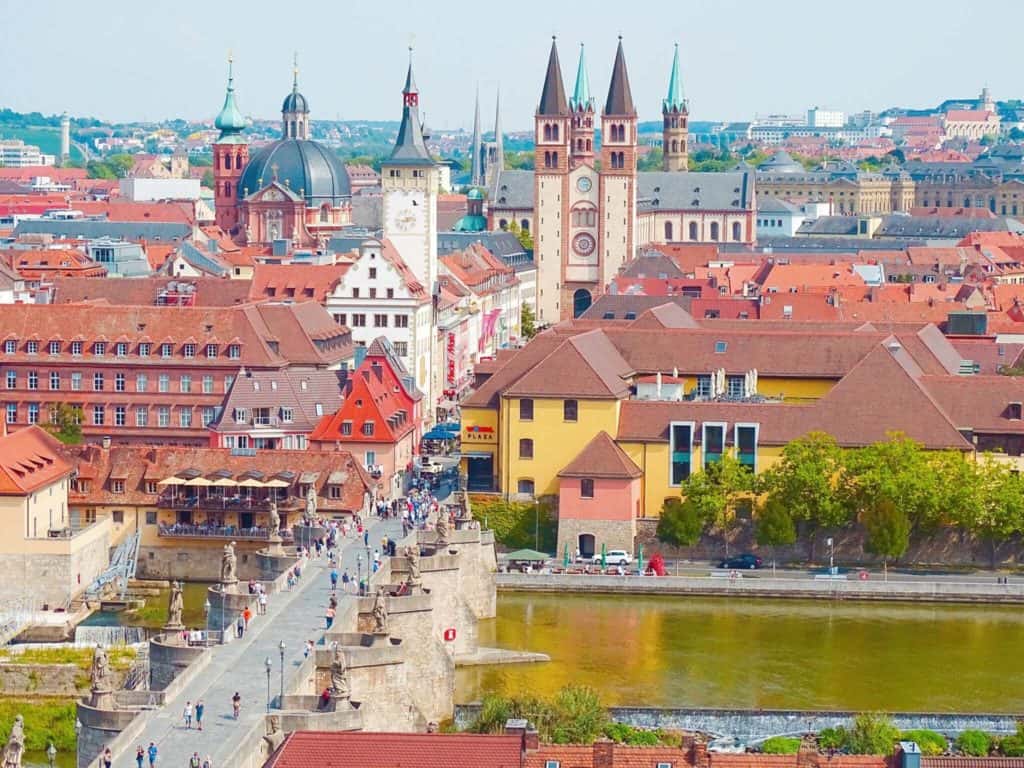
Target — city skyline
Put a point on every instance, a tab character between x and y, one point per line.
724	74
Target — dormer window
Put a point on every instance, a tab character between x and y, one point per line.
144	349
121	349
1013	411
99	348
32	347
234	351
190	350
166	350
211	351
53	348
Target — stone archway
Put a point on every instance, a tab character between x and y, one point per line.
586	544
581	301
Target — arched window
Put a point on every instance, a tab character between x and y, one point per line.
579	145
525	225
226	162
581	301
503	224
238	161
525	487
675	145
547	132
588	145
325	213
547	159
967	202
227	189
666	122
554	159
714	230
668	231
736	231
526	448
554	132
693	231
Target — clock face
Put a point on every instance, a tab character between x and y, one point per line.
584	244
583	184
405	220
407	214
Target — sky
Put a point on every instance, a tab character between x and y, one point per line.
128	60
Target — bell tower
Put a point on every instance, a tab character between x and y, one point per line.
582	106
295	110
230	155
675	129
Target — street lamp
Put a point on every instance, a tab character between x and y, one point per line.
206	616
51	754
831	555
269	665
280	701
359	572
536	525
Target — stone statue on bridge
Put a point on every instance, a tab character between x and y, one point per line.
175	606
412	556
15	747
380	612
441	528
228	565
100	672
341	689
273	737
310	504
275	521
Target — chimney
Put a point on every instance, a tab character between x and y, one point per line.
106	442
699	752
528	734
807	755
604	753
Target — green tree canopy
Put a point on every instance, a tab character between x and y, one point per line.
872	734
715	491
888	530
680	523
774	526
805	481
527	322
65	423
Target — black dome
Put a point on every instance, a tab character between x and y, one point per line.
305	167
295	102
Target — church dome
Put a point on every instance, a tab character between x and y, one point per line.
305	167
781	162
295	102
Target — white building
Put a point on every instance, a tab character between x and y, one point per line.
146	190
15	153
825	118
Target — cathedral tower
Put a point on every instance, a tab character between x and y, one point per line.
676	115
583	118
617	241
476	168
551	190
230	155
295	110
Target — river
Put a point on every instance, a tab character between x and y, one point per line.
770	654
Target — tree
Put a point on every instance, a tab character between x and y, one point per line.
774	527
524	237
872	734
997	511
888	531
527	322
579	716
680	523
805	482
65	423
651	161
715	491
207	179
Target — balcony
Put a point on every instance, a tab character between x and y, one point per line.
227	503
181	530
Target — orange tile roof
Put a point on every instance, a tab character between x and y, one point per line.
30	459
329	749
602	458
301	281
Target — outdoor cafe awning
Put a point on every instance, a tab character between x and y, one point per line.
251	483
224	482
171	481
527	556
439	434
201	481
275	483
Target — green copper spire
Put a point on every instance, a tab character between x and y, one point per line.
676	99
581	98
230	122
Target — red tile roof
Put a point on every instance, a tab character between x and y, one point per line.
324	749
296	281
30	459
601	458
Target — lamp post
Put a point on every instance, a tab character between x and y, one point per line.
206	616
359	572
280	701
51	754
269	665
536	525
831	555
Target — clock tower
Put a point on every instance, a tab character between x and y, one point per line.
409	178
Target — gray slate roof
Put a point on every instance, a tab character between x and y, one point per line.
652	264
618	306
513	189
944	227
283	389
830	225
92	229
776	205
669	191
504	245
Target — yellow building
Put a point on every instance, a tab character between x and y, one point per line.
47	555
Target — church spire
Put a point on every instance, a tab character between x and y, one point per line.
230	122
295	109
552	98
476	167
409	146
499	141
581	98
676	100
620	97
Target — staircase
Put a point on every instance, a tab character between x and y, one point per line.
121	568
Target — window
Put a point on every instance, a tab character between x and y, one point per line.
163	416
141	382
401	348
380	321
712	442
714	230
166	350
334	491
287	415
54	380
119	382
373	273
118	514
207	385
121	349
98	415
668	231
99	348
745	437
1013	411
163	384
587	488
211	351
358	320
33	379
76	381
117	486
12	413
371	458
144	349
735	386
373	293
12	379
526	410
186	384
570	410
525	448
141	416
401	321
355	293
33	413
76	348
120	415
368	428
693	231
736	234
346	428
681	439
209	415
32	347
228	381
10	346
703	388
190	350
241	415
54	348
525	486
234	351
391	291
185	417
319	409
341	318
151	514
97	382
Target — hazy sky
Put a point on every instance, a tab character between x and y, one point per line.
141	59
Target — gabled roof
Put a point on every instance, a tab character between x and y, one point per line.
587	365
979	403
331	749
552	97
30	460
668	315
620	97
299	391
601	458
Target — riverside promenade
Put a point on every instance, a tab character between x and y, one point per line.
745	584
293	617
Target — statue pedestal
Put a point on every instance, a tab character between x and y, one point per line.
102	699
274	548
173	634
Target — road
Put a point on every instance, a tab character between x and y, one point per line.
294	617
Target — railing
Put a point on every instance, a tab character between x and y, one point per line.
218	532
225	503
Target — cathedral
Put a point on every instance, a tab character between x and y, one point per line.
586	205
292	189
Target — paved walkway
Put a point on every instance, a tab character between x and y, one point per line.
294	617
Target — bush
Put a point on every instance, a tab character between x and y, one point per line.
930	742
833	738
974	743
575	716
514	522
634	737
1013	746
872	734
46	720
781	745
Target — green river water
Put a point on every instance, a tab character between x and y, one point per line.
770	654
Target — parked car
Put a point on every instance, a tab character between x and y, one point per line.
746	561
617	557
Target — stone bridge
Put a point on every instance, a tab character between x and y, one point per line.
399	681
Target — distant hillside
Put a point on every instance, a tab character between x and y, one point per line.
47	139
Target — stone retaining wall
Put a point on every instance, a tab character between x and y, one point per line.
47	679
